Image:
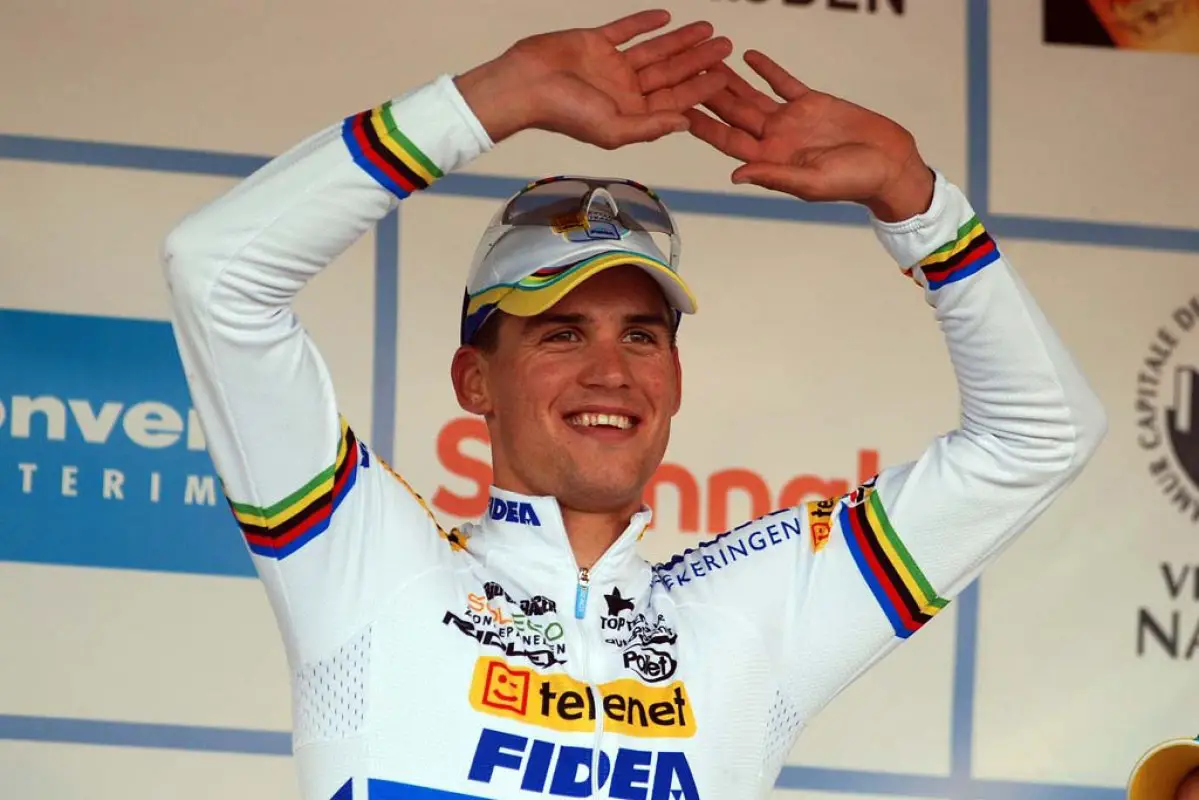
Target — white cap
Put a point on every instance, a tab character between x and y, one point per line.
525	269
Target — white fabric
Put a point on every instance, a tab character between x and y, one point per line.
703	669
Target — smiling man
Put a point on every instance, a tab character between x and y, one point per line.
534	652
574	365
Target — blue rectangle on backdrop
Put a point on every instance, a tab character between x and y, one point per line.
102	461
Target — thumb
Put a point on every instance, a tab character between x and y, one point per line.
626	129
802	182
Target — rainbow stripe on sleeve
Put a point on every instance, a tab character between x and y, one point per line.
906	596
279	530
972	250
381	149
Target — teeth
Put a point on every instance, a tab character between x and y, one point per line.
587	420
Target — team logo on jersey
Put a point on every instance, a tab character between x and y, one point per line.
559	702
617	602
860	493
525	628
820	522
512	762
516	511
647	648
740	543
495	599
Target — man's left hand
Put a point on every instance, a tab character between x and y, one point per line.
813	145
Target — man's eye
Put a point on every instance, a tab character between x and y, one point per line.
562	336
641	337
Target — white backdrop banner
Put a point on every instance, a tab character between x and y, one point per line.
141	651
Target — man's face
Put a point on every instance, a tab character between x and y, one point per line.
579	399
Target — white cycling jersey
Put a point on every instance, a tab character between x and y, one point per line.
480	662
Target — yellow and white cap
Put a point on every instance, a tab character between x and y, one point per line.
1160	771
558	232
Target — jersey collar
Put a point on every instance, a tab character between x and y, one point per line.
532	526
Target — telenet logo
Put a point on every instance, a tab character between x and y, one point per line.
562	703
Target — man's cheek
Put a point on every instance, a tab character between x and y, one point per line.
665	394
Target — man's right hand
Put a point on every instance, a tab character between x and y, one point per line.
577	83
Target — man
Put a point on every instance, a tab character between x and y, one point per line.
534	652
1169	771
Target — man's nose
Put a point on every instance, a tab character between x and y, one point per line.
607	366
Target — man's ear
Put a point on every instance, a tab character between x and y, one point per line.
468	371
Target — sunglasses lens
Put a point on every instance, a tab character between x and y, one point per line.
550	202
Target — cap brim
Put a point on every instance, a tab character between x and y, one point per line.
527	301
1160	771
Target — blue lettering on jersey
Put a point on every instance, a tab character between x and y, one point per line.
389	790
377	789
632	775
722	551
513	511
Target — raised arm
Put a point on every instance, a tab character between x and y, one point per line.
867	570
328	527
307	494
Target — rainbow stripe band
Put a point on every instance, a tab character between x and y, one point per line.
280	530
905	595
546	286
972	250
386	154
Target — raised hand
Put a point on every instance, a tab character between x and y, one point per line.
579	83
813	145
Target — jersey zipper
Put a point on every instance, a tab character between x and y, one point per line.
582	590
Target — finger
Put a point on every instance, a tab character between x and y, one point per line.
728	140
667	44
632	128
746	91
784	84
621	30
678	68
801	182
689	93
737	112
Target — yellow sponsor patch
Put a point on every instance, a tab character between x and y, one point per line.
820	522
562	703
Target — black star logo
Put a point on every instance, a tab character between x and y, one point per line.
616	603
